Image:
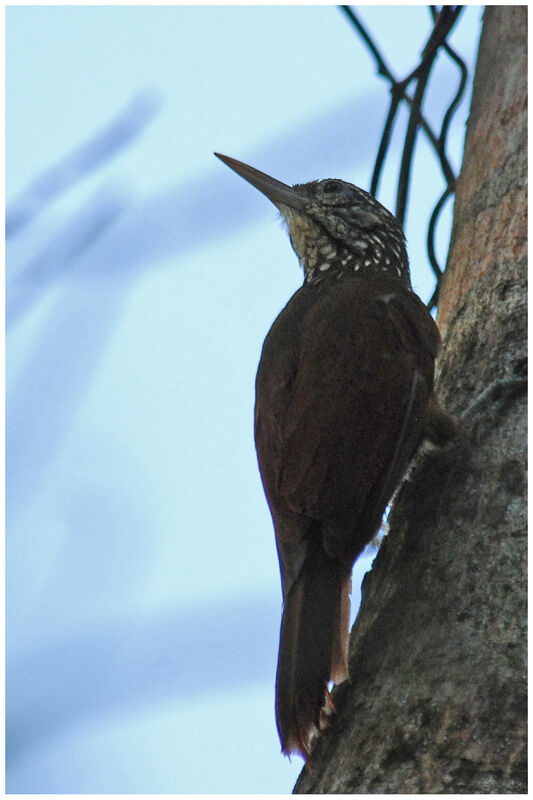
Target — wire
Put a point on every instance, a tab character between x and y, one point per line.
443	22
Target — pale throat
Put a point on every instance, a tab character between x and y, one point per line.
321	255
313	248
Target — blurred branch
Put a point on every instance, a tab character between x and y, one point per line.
85	159
171	221
67	682
65	248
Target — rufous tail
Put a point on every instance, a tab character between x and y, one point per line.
313	648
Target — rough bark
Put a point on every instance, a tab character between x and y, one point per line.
437	699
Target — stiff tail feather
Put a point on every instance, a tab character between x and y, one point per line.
313	648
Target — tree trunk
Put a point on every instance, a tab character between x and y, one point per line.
437	698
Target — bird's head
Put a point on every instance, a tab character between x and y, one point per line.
335	228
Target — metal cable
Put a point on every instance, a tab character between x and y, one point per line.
443	22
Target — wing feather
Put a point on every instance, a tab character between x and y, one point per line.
338	414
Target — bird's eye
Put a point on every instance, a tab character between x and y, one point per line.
330	186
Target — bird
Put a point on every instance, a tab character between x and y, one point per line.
344	398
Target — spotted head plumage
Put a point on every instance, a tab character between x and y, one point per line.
335	228
341	229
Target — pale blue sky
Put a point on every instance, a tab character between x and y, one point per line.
143	597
